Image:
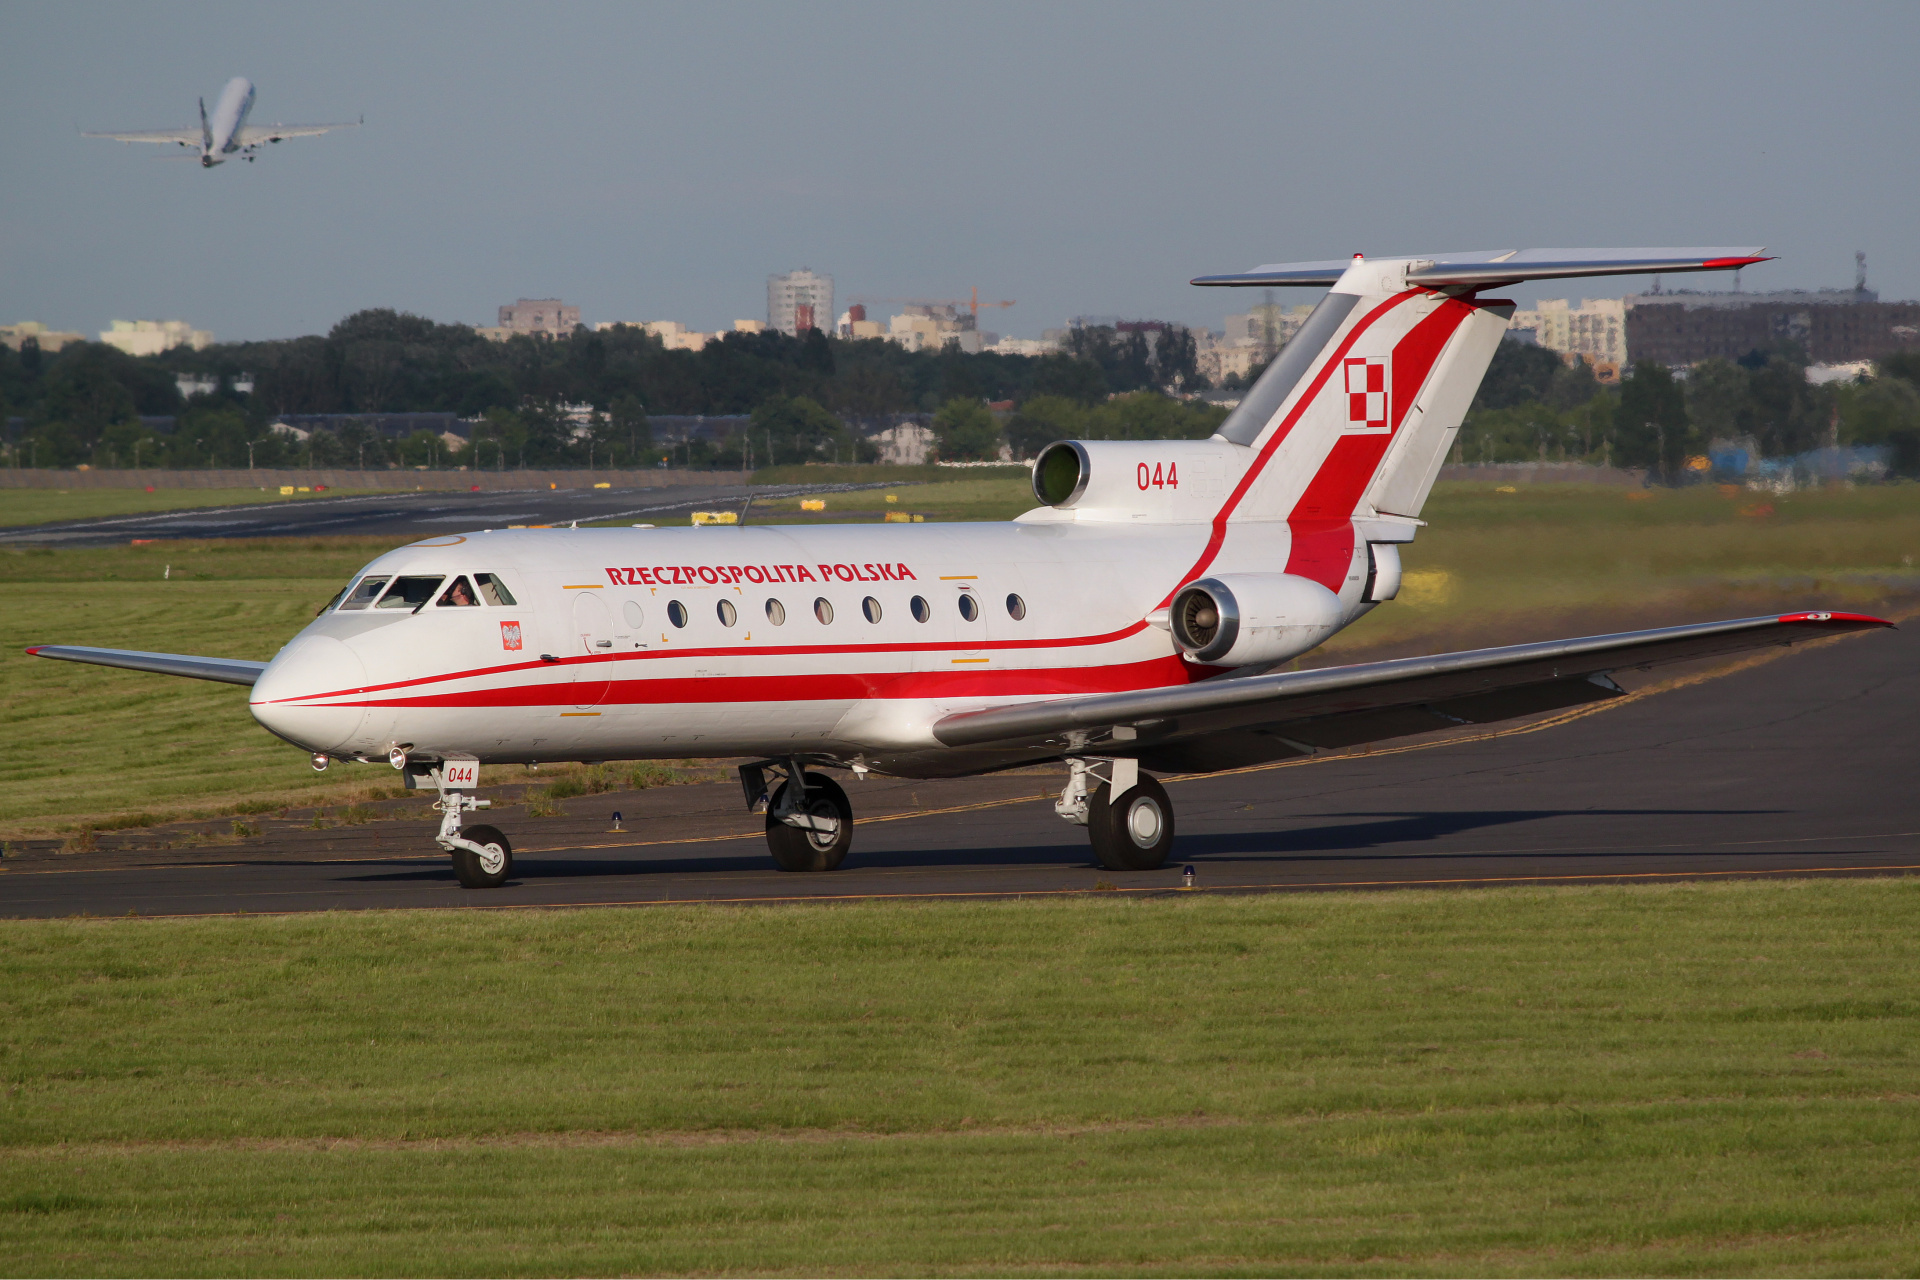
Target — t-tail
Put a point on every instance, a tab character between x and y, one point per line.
1355	416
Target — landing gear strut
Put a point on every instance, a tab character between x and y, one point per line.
482	855
1126	813
809	819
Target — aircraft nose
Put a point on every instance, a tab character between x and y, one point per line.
299	696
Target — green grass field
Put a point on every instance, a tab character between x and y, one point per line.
110	747
1682	1080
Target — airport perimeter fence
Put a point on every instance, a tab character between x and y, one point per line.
360	481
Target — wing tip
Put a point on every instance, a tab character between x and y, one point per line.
33	650
1830	616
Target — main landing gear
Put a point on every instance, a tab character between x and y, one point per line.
1126	813
809	820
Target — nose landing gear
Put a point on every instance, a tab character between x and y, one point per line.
482	855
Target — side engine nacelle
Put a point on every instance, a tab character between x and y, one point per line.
1240	619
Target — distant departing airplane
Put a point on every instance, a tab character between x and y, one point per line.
227	133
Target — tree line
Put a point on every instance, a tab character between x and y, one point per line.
1535	407
84	404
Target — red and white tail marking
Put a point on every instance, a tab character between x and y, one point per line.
1366	396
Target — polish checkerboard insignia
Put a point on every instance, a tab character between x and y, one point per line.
1366	396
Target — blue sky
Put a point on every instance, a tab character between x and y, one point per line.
657	162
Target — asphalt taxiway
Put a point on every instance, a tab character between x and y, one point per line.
404	516
1796	764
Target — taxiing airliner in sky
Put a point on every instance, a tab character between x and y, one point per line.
1138	619
226	134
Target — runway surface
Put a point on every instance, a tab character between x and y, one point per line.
405	516
1793	765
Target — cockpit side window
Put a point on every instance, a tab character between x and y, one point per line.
459	595
410	592
492	590
366	593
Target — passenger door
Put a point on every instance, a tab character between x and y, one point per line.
593	625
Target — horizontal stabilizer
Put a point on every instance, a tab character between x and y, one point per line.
1488	267
225	670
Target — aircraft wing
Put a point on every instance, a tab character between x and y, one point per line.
185	137
1225	723
226	670
254	134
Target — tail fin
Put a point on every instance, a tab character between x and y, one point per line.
1358	411
206	131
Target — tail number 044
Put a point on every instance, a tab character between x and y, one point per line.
1156	478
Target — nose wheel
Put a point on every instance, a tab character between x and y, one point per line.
487	867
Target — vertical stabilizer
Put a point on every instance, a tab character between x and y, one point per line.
1364	401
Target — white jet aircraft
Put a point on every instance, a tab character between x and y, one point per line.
1137	619
226	133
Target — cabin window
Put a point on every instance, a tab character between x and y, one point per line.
728	614
871	608
969	607
366	593
918	607
776	613
823	610
494	591
676	613
636	616
459	595
411	592
1016	608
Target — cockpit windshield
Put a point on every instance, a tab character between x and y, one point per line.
493	589
410	592
366	593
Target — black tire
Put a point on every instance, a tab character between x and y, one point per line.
797	850
1134	834
472	870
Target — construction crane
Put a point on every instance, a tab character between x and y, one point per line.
971	302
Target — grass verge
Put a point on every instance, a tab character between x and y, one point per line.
1676	1079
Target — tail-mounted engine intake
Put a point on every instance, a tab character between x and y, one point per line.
1240	619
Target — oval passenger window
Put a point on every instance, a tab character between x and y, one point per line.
969	607
919	609
636	616
1016	608
871	608
822	610
677	613
776	613
728	615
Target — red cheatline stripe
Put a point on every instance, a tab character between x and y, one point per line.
1712	263
823	687
741	651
